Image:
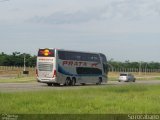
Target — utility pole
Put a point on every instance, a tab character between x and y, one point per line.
140	64
24	68
146	70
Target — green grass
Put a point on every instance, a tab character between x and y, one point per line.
105	99
18	80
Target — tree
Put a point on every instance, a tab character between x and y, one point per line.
17	59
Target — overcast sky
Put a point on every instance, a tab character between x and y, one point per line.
121	29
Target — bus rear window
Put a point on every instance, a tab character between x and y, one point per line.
46	53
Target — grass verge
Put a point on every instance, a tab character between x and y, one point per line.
18	80
126	99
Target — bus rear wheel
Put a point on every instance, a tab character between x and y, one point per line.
56	84
49	84
83	84
99	81
68	81
73	81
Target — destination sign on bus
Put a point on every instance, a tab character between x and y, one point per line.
46	53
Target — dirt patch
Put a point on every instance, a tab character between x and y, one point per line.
7	76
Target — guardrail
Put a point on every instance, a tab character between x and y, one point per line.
133	70
15	68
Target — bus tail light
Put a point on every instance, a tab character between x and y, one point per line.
55	73
37	72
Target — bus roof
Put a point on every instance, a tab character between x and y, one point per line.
57	49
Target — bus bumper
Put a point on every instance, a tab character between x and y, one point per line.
47	80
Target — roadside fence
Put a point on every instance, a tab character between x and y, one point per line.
31	69
134	70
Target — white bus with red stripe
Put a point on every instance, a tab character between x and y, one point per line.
65	67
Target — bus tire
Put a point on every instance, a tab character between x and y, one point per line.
99	81
56	84
49	84
73	81
134	80
68	81
83	84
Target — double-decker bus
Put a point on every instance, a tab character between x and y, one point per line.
66	67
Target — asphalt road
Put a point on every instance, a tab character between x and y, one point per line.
12	87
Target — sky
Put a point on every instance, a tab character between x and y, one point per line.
121	29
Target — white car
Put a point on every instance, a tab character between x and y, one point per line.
126	77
